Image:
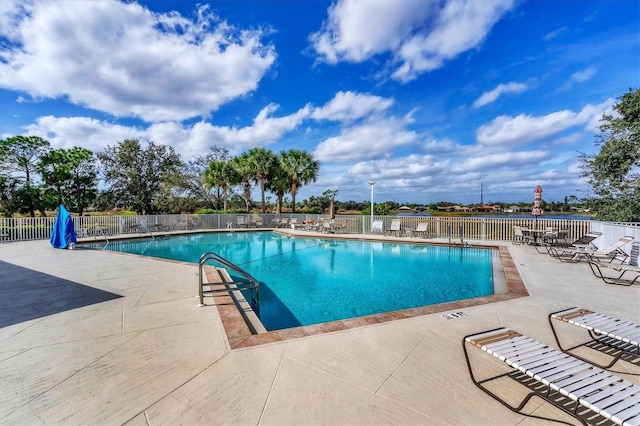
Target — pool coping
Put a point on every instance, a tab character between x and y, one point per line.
240	336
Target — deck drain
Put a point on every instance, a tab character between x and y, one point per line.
454	315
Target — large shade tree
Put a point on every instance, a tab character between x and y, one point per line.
20	157
300	168
70	176
136	174
614	172
192	181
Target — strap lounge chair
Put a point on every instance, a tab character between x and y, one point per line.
572	385
616	338
598	267
581	245
613	252
376	226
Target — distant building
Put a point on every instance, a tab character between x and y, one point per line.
453	208
487	208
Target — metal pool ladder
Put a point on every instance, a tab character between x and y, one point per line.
227	284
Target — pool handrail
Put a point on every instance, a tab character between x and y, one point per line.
250	284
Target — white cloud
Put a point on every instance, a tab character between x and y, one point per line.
122	59
501	89
66	132
419	34
506	159
579	77
555	33
408	168
86	132
583	75
372	139
350	106
522	129
347	34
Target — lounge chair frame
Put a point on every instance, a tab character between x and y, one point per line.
597	267
632	266
572	385
617	338
576	250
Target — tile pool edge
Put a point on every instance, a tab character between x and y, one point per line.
240	336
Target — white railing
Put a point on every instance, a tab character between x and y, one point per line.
467	228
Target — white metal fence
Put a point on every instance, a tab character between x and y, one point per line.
467	228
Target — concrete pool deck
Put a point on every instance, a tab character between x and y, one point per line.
96	337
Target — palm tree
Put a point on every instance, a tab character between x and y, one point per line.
221	174
260	161
245	174
300	168
278	183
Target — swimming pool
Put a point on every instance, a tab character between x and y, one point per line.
308	281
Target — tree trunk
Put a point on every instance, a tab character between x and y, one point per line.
294	189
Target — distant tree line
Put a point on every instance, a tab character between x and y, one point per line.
147	178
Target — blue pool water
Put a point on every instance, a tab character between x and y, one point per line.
307	281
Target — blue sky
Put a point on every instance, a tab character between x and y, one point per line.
428	98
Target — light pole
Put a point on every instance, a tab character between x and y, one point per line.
372	183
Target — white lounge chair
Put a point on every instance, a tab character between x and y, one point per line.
574	386
376	226
612	252
608	335
581	245
621	269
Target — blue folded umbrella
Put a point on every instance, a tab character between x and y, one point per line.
64	232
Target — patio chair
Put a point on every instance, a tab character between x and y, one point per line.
581	244
327	227
422	229
613	337
395	226
241	222
521	235
376	226
633	267
284	222
341	227
256	221
570	384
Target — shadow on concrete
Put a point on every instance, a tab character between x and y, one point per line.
26	294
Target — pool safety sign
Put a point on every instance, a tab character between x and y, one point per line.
454	315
